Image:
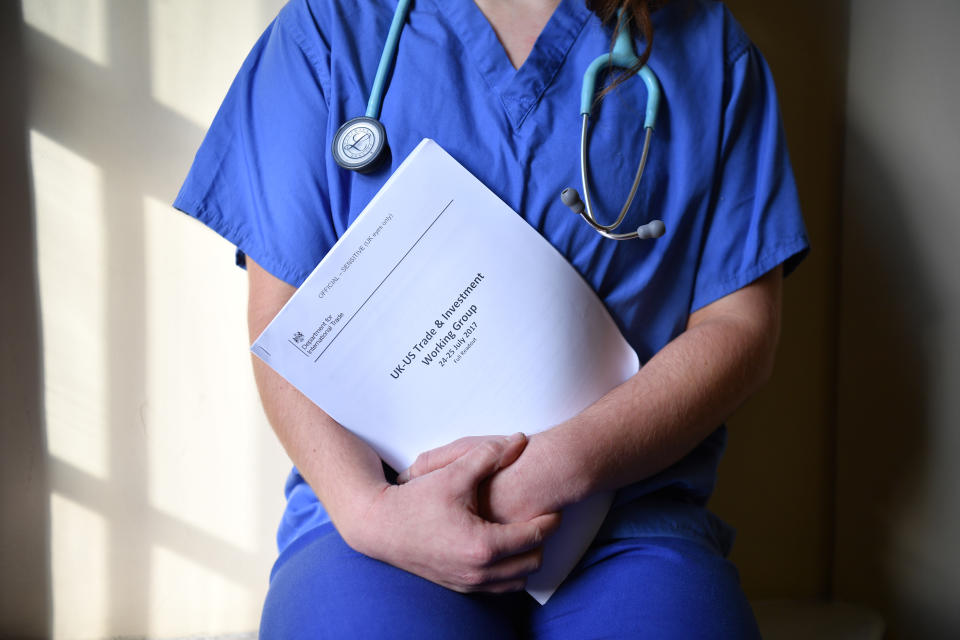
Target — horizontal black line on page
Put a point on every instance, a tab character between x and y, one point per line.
404	257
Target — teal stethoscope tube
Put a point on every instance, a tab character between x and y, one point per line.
624	57
387	57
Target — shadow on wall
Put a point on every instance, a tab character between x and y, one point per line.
89	527
776	480
25	600
883	422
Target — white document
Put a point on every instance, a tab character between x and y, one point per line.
440	313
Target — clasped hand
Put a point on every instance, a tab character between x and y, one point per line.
430	525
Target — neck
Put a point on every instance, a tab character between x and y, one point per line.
517	24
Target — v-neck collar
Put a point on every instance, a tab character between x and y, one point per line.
519	89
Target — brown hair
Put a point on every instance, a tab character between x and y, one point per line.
638	12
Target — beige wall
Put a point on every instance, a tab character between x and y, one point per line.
145	477
24	517
898	489
776	481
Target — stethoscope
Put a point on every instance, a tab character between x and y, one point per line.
360	144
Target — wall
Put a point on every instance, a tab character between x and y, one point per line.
144	485
898	508
776	480
24	561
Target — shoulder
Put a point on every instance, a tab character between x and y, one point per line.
334	20
331	30
703	27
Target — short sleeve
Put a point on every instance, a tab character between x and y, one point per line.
259	177
755	223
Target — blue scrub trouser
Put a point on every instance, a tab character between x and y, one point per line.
658	588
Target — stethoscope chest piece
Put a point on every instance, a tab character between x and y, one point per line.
360	144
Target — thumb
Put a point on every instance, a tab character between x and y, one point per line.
487	458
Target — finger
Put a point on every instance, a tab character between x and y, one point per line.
517	537
513	567
442	456
515	444
484	460
436	458
505	586
508	574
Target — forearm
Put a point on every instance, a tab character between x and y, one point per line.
654	419
343	471
430	527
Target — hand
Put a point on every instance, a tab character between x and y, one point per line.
442	456
513	494
430	526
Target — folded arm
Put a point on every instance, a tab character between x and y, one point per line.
429	527
649	422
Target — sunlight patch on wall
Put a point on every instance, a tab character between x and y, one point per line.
201	598
78	24
202	438
72	272
78	544
197	49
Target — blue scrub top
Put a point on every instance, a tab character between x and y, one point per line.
718	175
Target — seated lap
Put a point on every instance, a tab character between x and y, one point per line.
638	587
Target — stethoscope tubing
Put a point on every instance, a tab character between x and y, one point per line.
606	230
387	56
349	155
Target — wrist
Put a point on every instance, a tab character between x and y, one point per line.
547	477
355	518
573	478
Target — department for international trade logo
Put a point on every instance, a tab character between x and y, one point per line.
298	337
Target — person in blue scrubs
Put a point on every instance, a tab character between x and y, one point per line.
444	553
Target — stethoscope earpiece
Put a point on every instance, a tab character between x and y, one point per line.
571	198
649	231
653	229
623	56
